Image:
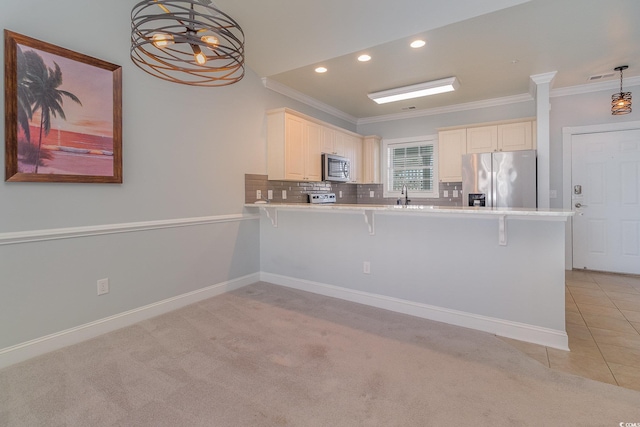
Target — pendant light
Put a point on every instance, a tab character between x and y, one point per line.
621	102
190	42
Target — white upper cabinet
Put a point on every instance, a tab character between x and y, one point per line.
295	144
328	140
350	146
455	142
482	139
452	145
371	160
515	136
293	148
503	137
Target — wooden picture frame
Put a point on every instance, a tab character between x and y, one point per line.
63	114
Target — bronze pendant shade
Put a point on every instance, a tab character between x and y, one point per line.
187	41
621	102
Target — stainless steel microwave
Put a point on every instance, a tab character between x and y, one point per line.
335	168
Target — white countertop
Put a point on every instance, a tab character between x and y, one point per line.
557	214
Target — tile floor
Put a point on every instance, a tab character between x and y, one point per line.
603	325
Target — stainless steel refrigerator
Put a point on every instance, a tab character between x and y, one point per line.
502	179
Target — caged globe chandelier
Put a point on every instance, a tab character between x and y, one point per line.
189	42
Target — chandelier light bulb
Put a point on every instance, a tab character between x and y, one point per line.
200	57
211	41
161	40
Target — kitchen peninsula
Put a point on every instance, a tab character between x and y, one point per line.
495	270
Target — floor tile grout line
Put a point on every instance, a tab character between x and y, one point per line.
596	342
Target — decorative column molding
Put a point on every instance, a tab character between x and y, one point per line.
540	89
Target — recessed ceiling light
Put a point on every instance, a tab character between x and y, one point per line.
417	43
321	70
364	58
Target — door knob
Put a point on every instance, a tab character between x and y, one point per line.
580	205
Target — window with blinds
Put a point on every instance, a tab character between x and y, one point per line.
411	164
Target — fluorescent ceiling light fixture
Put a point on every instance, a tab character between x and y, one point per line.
415	91
417	43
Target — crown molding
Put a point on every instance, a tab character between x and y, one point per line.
595	87
525	97
312	102
494	102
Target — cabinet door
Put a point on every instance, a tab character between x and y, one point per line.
328	140
340	143
313	160
452	145
294	151
482	139
515	136
356	159
371	160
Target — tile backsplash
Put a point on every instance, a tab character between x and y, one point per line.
297	191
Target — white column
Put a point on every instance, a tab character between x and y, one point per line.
540	88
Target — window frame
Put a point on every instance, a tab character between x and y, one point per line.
410	142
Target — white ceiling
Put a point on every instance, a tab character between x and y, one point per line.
492	46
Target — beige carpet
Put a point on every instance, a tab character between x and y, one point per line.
270	356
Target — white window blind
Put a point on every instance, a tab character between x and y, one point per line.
411	163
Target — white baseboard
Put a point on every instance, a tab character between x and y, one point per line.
36	347
505	328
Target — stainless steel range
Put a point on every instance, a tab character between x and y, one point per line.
322	198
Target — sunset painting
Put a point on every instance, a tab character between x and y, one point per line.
64	116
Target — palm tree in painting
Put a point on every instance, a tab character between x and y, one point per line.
25	97
43	85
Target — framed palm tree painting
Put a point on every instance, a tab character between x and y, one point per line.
63	114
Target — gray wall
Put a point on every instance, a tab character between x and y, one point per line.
452	263
186	151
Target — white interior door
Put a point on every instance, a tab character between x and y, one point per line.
605	185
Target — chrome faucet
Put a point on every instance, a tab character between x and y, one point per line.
405	191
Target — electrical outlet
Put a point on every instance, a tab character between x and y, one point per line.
340	194
366	267
258	194
445	193
455	193
270	194
372	194
284	194
103	286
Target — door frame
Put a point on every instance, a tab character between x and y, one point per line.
567	136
